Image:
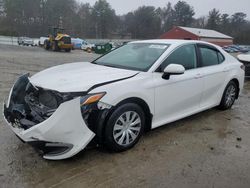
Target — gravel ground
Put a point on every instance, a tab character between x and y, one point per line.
210	149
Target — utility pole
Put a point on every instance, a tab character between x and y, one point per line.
96	30
98	14
60	22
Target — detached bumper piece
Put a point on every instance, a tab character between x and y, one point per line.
59	134
51	149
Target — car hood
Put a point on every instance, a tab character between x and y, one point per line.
78	77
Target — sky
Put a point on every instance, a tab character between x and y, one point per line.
201	7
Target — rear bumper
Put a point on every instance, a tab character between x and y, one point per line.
62	135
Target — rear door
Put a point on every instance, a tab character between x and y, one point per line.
214	72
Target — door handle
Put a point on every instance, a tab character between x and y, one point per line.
225	69
197	76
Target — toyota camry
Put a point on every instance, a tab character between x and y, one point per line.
114	99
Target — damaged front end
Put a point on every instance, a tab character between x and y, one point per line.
28	105
57	123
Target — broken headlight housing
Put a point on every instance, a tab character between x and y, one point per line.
89	103
91	98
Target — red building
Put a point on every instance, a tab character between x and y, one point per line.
189	33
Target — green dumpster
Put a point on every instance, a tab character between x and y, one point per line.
102	48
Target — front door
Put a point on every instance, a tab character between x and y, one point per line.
179	96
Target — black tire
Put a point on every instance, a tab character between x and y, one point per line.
229	96
55	47
46	45
109	134
67	50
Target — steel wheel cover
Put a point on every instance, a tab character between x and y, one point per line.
127	128
230	95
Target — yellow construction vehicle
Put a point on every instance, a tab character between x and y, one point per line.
58	40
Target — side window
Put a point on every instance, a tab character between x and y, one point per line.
209	57
220	57
185	55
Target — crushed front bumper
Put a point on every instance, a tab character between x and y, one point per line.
61	136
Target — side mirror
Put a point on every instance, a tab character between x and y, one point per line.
173	69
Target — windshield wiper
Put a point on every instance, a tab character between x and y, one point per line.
113	66
118	66
107	65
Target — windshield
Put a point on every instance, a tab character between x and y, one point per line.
133	56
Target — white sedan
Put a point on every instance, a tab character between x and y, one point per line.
245	59
114	99
87	46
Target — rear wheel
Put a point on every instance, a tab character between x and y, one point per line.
46	45
67	50
229	96
55	46
124	127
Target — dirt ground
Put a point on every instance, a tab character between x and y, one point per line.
210	149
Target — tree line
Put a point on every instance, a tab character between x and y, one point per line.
34	18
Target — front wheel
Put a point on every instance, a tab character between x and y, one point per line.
124	127
229	96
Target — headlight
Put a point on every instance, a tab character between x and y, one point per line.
88	104
92	98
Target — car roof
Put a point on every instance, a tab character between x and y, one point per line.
172	41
